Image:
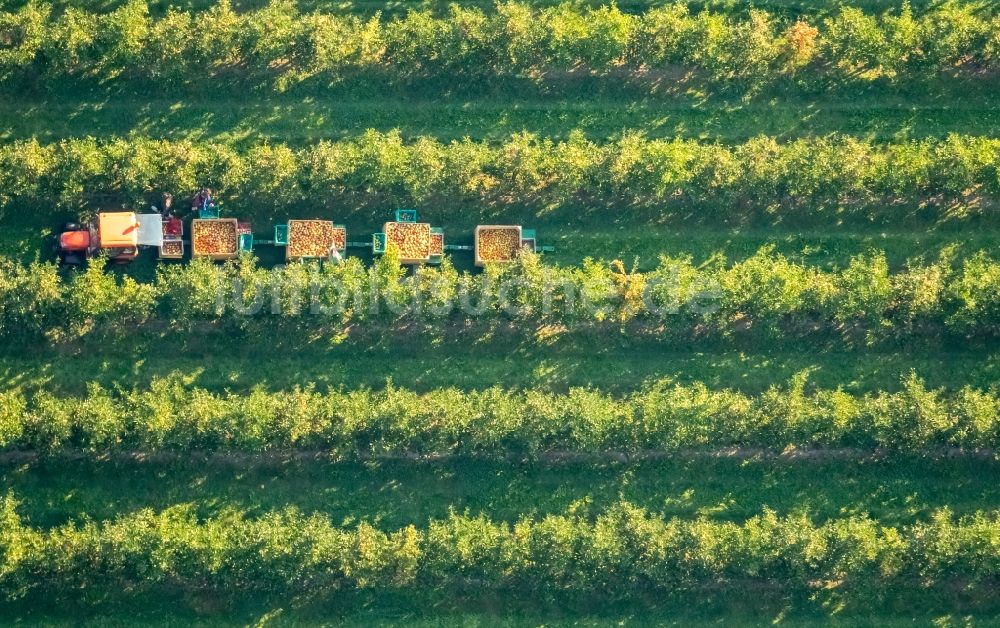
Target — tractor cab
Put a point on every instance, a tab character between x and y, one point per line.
115	234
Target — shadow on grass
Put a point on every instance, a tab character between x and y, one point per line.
423	358
392	494
449	106
715	604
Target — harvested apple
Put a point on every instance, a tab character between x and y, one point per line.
172	248
411	238
314	238
214	237
497	244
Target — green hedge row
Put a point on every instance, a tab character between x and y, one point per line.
765	294
633	177
622	553
172	416
278	43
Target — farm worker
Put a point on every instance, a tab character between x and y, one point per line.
202	200
335	254
164	208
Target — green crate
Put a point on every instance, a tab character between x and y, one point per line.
528	236
378	243
406	215
280	235
208	213
246	241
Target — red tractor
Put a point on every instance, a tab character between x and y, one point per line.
115	234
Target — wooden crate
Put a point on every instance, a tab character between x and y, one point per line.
420	231
485	231
172	249
203	223
336	235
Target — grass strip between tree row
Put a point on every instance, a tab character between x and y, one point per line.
895	490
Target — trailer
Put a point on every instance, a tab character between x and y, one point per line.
311	239
417	242
215	238
502	243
